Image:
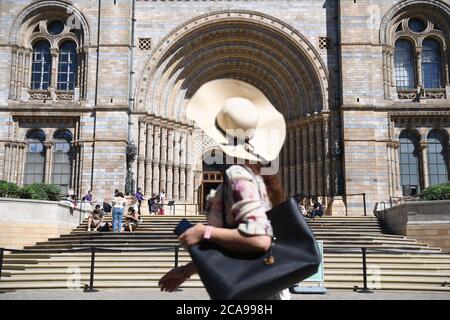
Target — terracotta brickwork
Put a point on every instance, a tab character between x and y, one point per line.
344	112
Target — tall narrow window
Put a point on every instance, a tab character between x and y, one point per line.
409	163
404	64
35	160
41	66
62	160
437	157
67	66
431	64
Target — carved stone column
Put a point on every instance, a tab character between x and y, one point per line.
327	154
21	163
305	146
156	153
312	158
319	157
163	157
53	80
298	160
419	66
48	145
424	156
176	163
141	155
286	166
12	172
395	146
6	170
183	144
189	164
197	184
169	183
149	162
292	173
390	169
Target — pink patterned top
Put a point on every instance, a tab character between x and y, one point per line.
246	204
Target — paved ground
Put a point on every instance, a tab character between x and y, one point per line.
200	294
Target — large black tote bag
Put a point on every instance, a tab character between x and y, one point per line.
295	256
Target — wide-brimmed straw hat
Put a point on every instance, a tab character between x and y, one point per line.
239	118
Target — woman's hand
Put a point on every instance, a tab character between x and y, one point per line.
192	235
172	279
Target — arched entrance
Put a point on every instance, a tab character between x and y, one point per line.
247	46
213	167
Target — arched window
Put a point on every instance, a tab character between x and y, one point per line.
404	64
409	163
67	66
35	160
61	172
431	64
41	66
437	157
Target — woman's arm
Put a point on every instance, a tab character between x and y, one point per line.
230	239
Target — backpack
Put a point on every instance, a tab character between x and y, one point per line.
106	207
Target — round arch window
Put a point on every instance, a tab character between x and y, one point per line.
55	27
416	25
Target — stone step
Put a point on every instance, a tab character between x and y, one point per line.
388	286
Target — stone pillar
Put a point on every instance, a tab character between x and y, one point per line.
12	80
141	155
395	151
6	169
298	160
21	163
149	162
12	172
48	145
305	157
291	164
312	159
286	166
20	64
390	169
54	76
156	153
176	164
419	66
319	157
183	144
197	184
163	157
327	155
189	164
424	163
169	182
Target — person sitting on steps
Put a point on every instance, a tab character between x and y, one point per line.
131	219
317	209
95	218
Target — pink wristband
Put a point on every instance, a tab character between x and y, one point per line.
208	232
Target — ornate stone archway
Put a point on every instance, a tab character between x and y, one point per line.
247	46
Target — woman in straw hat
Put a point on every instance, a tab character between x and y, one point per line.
250	131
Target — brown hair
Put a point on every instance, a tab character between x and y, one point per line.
273	184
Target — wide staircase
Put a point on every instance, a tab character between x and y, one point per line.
408	265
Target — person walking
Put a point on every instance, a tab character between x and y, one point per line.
242	121
118	203
140	198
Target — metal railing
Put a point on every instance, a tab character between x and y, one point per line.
93	251
90	288
173	208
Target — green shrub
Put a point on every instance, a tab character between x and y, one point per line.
33	191
52	191
9	190
437	192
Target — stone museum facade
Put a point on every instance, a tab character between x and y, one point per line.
93	93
